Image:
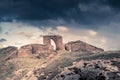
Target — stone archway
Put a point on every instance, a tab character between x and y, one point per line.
56	38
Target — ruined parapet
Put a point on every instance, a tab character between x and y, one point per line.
81	46
25	51
30	49
40	48
56	38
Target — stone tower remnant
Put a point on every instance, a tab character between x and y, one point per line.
56	38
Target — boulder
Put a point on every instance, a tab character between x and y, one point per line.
90	70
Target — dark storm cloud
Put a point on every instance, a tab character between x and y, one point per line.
0	29
2	40
115	4
36	9
81	11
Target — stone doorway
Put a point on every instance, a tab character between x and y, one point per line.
57	40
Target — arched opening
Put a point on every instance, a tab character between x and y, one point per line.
56	41
53	44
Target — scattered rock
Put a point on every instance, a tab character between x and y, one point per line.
94	70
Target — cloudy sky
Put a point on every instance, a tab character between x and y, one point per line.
96	22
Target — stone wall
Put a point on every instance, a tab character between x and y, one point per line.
29	50
25	51
56	38
81	46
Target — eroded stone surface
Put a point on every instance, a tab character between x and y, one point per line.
56	38
81	46
90	70
29	50
46	47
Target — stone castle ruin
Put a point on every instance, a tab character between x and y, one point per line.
32	49
46	47
56	38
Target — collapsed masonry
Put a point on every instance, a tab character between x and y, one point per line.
31	49
46	47
81	46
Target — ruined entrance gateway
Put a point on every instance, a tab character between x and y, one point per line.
28	50
56	38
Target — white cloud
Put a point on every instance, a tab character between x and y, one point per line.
62	28
21	34
72	34
92	33
111	33
103	41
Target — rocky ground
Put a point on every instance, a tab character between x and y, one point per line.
91	70
82	66
76	60
5	52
